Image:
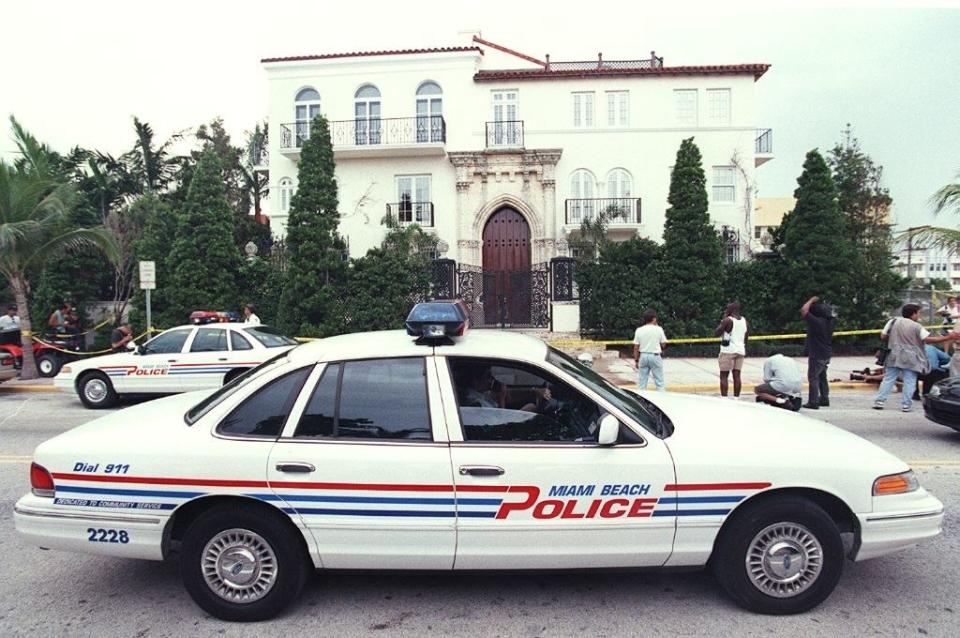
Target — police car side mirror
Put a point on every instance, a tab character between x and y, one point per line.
609	430
139	350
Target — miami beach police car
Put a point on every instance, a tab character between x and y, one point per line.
485	450
177	360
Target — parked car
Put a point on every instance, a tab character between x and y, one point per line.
942	404
8	369
489	450
49	355
181	359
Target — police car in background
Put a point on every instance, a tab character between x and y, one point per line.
453	451
181	359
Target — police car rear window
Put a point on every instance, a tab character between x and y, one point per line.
270	337
197	411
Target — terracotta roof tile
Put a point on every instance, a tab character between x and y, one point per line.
361	54
756	70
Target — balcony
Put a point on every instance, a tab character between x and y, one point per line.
619	212
505	135
373	137
407	213
763	146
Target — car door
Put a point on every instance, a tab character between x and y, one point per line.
151	367
206	360
366	464
534	488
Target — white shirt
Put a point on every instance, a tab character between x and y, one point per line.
252	319
9	324
737	337
649	338
782	374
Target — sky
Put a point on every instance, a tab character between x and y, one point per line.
75	73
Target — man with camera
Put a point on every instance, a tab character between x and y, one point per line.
819	318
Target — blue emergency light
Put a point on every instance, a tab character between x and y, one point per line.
437	321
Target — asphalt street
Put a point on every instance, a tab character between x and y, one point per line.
47	593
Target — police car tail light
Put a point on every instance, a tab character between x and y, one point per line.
896	484
437	321
41	482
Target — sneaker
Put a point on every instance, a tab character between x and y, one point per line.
904	408
811	406
824	403
877	405
781	400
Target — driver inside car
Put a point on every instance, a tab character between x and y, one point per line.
480	389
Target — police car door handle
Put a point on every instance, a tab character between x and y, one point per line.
171	360
295	467
222	359
481	470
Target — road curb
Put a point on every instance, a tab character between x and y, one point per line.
12	389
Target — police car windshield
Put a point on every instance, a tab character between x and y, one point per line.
197	411
270	337
629	403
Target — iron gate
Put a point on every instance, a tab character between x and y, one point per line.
495	298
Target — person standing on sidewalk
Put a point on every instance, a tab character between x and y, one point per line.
907	358
649	340
819	320
733	334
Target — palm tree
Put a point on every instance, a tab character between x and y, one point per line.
34	207
945	199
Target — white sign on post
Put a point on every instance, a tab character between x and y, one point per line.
148	275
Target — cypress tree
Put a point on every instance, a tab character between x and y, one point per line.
691	271
311	304
816	244
204	259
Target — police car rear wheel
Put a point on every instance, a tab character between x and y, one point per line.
779	557
239	564
96	391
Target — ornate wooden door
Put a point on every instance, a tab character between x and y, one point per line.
506	268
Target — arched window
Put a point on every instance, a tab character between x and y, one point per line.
430	113
366	109
582	202
619	192
286	194
306	107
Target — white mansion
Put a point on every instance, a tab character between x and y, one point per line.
501	154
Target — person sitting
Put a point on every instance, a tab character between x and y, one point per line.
10	326
782	383
478	388
58	319
939	360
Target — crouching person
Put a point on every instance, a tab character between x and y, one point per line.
782	383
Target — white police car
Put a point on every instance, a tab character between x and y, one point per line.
181	359
485	451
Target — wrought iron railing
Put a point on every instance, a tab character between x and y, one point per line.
412	213
764	143
423	129
505	134
591	65
617	210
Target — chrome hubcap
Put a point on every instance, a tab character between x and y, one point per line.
239	566
784	560
95	389
46	366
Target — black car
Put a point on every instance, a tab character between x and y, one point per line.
942	405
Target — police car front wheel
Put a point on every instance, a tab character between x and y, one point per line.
779	557
96	391
242	565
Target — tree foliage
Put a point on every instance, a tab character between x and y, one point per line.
312	302
204	260
691	267
159	225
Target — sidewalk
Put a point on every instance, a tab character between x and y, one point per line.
703	375
686	374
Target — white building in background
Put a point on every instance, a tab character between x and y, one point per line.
502	154
923	264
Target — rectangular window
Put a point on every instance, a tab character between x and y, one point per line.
371	399
583	109
413	199
685	106
718	106
724	184
757	231
618	108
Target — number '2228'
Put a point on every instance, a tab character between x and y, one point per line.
107	535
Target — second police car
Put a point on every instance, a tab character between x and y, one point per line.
181	359
483	451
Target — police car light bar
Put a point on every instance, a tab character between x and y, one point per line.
437	321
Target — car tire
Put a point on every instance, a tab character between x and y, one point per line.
48	364
96	392
779	557
240	565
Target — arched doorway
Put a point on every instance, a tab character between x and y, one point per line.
506	268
